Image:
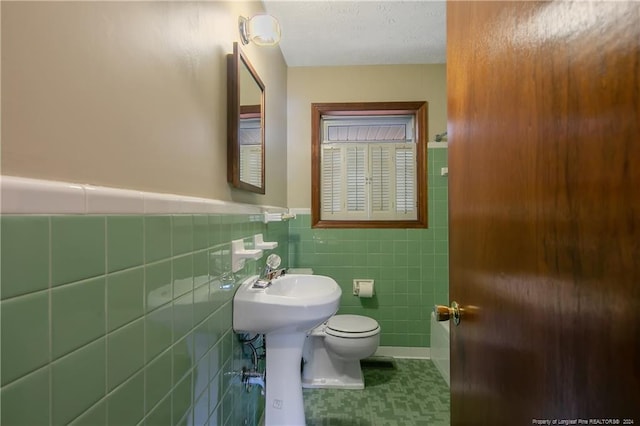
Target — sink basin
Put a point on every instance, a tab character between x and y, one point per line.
292	303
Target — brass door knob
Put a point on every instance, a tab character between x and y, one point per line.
445	313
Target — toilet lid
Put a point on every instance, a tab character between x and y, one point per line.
351	324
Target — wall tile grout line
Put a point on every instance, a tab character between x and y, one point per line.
50	300
146	409
173	298
106	315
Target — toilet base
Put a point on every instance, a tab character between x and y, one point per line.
347	376
332	361
323	371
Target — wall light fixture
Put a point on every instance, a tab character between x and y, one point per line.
263	30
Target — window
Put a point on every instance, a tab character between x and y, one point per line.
368	168
369	165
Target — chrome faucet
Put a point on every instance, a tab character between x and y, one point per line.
276	273
270	272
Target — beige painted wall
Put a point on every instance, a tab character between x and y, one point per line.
307	85
131	95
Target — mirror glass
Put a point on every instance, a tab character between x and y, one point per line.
245	124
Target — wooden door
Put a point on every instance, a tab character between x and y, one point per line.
544	194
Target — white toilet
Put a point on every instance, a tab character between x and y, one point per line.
333	350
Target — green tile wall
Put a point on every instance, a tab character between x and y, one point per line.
409	266
100	326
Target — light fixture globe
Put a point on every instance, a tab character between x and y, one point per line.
263	30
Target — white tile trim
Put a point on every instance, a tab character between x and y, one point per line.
404	352
31	196
20	195
300	210
108	200
437	144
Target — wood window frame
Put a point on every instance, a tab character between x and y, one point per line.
418	110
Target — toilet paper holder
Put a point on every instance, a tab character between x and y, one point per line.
363	285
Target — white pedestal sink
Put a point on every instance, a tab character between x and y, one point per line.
284	312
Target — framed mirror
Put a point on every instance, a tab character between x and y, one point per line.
245	124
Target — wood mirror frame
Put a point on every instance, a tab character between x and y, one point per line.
245	124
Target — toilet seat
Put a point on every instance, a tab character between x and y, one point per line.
352	326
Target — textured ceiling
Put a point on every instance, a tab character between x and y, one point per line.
361	32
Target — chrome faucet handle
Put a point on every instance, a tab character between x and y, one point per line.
273	261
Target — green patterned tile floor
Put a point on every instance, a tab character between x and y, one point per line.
407	392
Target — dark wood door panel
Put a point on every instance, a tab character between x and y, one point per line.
544	194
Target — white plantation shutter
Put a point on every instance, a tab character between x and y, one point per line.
356	170
381	168
331	180
251	164
405	168
250	140
368	169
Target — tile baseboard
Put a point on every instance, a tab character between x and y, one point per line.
404	352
